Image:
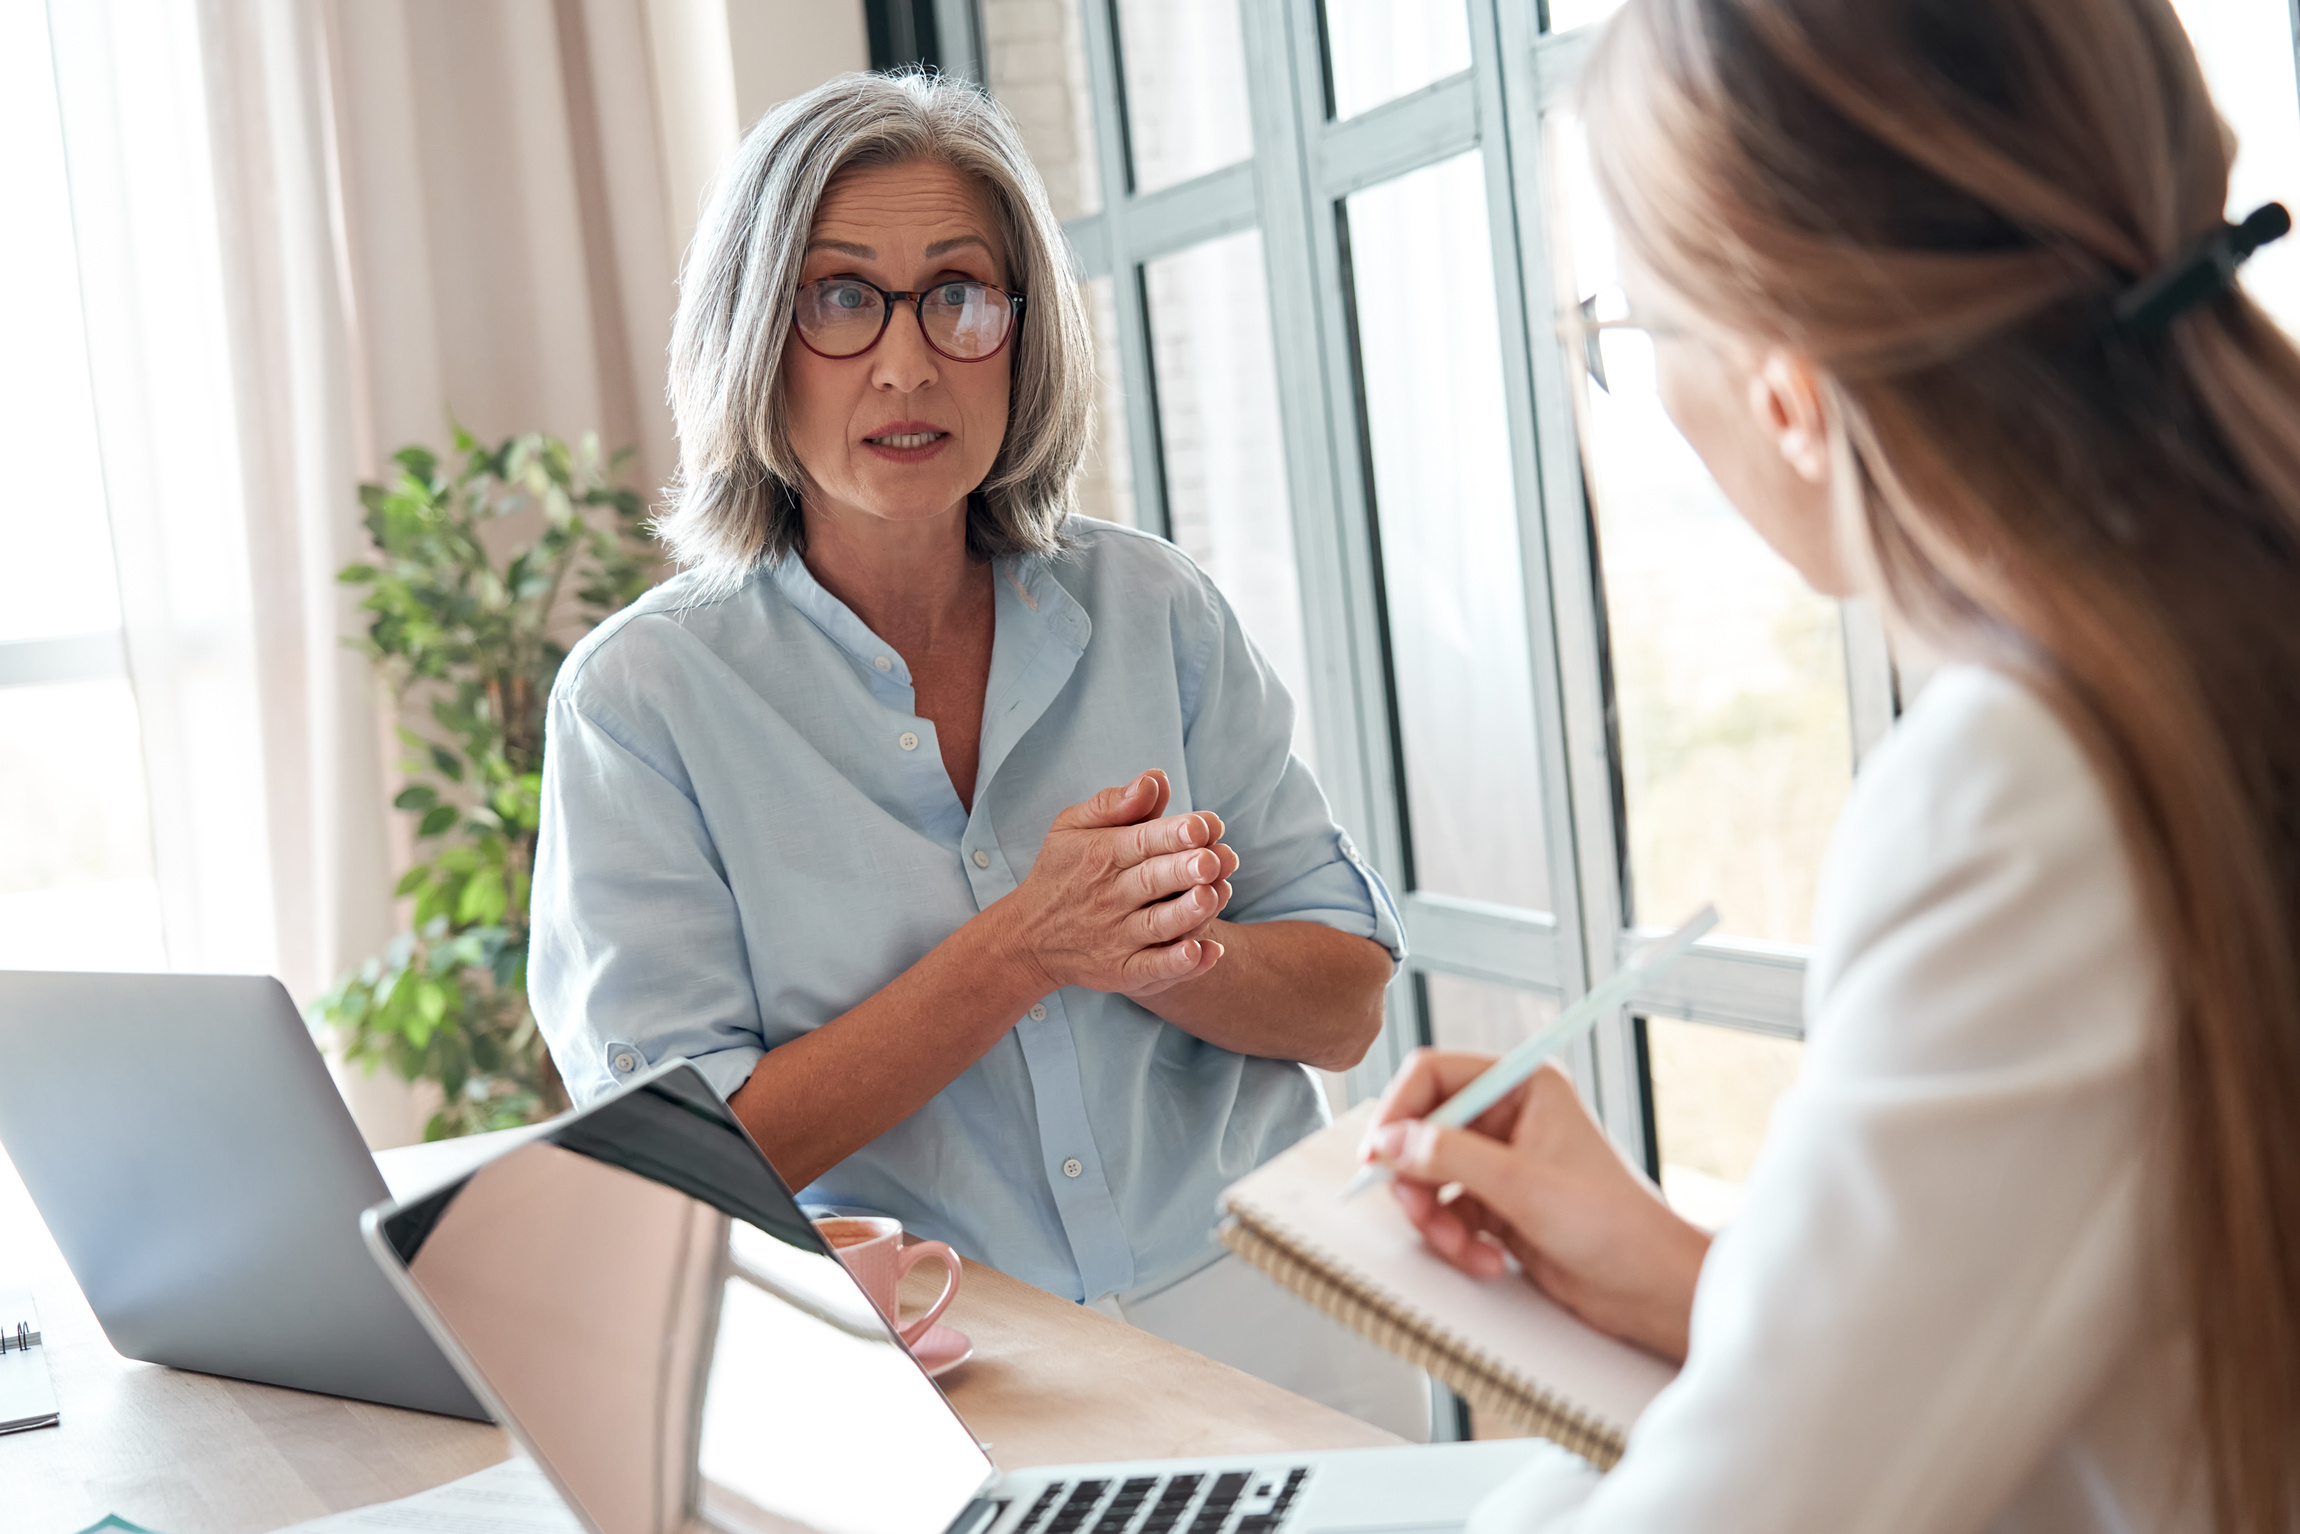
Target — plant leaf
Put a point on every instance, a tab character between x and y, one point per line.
484	899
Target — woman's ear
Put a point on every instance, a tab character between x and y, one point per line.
1786	398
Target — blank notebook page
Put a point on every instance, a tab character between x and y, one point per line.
1506	1319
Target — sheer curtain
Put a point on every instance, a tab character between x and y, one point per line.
145	215
308	231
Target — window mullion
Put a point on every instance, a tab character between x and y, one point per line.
1583	746
1125	264
63	658
1873	692
1333	534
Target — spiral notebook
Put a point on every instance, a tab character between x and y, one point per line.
1503	1345
27	1392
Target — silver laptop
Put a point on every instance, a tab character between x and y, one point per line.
205	1181
641	1302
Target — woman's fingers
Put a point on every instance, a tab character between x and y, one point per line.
1172	874
1487	1168
1228	855
1122	878
1162	793
1174	833
1122	805
1449	1230
1155	969
1170	963
1130	804
1428	1078
1168	921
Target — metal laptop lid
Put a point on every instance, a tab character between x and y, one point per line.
197	1169
644	1305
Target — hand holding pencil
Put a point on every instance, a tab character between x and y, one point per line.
1539	1181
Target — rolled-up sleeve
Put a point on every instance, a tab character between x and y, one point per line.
1295	864
637	954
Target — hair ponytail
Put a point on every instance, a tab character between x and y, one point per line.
1939	202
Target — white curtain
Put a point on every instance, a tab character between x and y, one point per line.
308	230
145	216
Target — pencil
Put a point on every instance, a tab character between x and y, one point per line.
1512	1070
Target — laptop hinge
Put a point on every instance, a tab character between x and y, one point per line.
975	1516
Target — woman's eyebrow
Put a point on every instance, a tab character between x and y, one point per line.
866	253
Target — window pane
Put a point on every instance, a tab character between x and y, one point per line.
1037	66
1185	70
1489	1019
1430	356
1380	50
1106	478
76	889
58	578
2246	51
1729	672
1565	15
1713	1095
1219	431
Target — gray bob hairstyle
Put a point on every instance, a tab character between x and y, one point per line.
735	503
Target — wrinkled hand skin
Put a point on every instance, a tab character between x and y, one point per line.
1123	897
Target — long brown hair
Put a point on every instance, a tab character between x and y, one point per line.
1938	202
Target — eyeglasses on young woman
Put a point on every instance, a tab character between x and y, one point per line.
1614	342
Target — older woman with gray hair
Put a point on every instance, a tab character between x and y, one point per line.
955	837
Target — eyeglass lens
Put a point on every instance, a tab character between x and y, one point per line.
842	317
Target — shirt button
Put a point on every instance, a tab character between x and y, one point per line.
1074	1168
907	741
981	858
625	1062
883	663
1038	1015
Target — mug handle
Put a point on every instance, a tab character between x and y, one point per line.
911	1257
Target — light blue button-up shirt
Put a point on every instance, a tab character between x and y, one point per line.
748	830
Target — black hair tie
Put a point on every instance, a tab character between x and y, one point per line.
2203	274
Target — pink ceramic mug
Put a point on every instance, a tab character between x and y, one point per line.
871	1247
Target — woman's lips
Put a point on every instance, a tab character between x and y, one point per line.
907	441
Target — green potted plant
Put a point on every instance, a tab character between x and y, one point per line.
471	621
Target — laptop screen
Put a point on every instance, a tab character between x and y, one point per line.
670	1337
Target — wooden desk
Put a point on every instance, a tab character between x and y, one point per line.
1049	1382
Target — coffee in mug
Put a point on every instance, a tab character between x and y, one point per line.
871	1247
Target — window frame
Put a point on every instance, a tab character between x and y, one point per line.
1293	187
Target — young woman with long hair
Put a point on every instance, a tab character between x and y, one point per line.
1942	292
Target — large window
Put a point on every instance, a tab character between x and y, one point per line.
1555	687
76	884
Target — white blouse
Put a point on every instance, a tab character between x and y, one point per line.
1945	1305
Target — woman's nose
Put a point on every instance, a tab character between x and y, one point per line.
902	361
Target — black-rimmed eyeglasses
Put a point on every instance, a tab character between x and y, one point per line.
966	321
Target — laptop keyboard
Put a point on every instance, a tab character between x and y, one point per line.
1230	1502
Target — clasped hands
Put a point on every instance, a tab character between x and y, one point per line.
1123	897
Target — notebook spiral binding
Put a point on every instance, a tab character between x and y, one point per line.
21	1340
1329	1284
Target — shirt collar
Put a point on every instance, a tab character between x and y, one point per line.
1029	597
